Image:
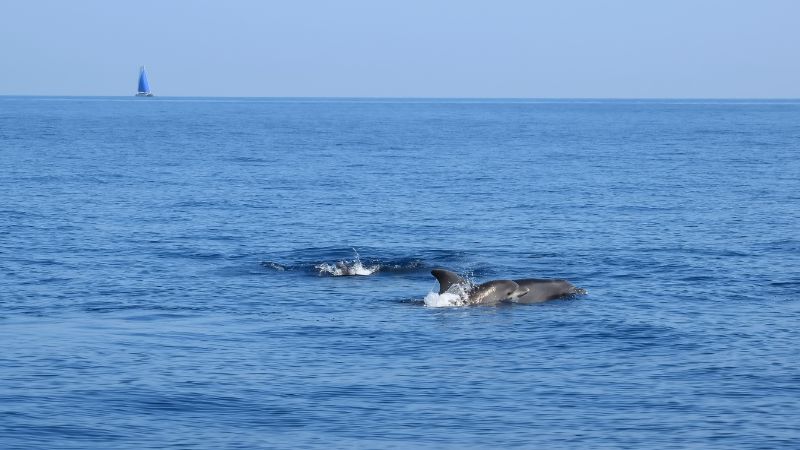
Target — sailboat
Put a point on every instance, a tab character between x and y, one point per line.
144	85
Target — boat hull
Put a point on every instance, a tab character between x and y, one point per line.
144	94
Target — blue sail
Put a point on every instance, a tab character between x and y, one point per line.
144	85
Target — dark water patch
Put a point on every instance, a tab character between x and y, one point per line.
154	316
56	280
699	278
241	270
786	245
785	283
200	204
73	436
700	251
541	254
332	261
250	160
191	254
14	214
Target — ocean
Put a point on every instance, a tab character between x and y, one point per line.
168	273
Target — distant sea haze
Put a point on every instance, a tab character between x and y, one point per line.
170	273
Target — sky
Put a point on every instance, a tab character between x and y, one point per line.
404	48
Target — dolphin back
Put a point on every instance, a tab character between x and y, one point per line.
446	279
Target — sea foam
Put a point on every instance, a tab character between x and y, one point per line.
443	300
346	268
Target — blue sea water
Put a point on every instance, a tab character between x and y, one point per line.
162	279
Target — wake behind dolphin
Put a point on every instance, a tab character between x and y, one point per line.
346	268
455	290
348	262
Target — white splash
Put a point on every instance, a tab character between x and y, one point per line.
346	268
444	300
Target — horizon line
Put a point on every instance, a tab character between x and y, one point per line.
345	97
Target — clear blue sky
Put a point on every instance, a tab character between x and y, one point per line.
404	48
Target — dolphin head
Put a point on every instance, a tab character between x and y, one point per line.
494	292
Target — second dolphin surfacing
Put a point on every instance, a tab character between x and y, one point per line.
526	291
489	293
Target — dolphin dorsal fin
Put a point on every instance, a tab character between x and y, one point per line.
447	279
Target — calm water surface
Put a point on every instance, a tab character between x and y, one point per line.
159	281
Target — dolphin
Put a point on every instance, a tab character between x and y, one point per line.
541	290
489	293
523	291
